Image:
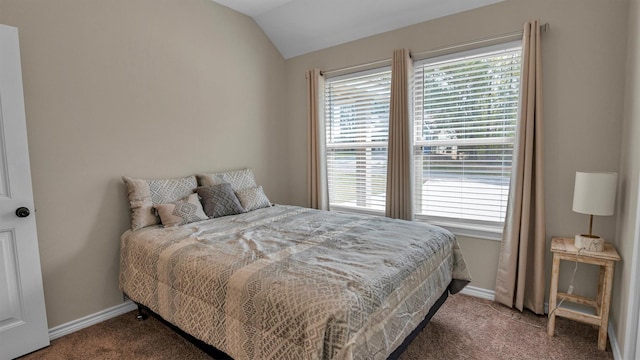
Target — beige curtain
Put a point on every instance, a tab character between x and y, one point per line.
316	166
399	201
520	279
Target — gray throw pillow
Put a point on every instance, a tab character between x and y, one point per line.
219	200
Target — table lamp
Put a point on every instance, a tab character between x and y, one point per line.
594	194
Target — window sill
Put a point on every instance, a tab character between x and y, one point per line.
478	231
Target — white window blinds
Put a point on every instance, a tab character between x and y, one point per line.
465	112
357	128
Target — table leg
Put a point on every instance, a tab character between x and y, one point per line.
606	297
600	292
553	295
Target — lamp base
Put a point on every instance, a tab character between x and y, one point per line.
589	243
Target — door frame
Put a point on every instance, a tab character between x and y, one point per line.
632	336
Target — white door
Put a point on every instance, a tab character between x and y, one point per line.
23	321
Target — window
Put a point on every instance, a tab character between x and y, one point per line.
357	129
465	112
465	109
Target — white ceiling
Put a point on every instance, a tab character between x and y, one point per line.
298	27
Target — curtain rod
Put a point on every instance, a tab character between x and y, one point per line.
543	28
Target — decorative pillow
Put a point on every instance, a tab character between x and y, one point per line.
239	179
145	193
181	212
219	200
253	198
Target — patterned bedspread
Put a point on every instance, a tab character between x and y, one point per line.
293	283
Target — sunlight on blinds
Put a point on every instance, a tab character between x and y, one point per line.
465	112
357	128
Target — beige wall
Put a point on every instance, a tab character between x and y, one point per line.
583	66
482	259
145	88
629	181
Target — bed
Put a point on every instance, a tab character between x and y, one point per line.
286	282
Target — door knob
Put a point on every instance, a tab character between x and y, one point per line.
22	212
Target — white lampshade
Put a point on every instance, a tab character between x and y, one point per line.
595	193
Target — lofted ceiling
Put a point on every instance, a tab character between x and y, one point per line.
298	27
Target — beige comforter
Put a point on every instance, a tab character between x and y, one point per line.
293	283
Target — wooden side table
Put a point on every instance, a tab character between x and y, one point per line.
564	249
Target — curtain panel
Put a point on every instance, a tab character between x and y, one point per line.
520	278
399	198
317	188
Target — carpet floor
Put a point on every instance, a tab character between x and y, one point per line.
464	328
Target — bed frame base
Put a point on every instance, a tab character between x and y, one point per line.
141	315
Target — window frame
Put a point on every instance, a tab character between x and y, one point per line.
488	230
384	68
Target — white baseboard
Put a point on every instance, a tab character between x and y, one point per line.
100	316
615	347
479	292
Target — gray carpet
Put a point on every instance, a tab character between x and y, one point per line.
463	328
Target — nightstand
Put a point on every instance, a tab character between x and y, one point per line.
564	249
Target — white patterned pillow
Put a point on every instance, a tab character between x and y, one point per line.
145	193
181	212
239	179
253	198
